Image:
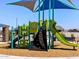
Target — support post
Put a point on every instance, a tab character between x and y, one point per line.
12	37
29	35
39	15
18	36
49	20
24	31
43	16
53	21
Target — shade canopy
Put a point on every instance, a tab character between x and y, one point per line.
55	4
26	3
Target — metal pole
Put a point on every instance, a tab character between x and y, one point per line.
43	15
53	10
12	37
53	20
16	22
24	35
18	36
49	20
29	34
39	15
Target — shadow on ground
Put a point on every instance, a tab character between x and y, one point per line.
66	49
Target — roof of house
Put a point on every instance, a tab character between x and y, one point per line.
4	25
73	30
59	28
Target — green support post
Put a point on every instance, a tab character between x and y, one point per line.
29	35
12	37
39	16
18	36
52	41
53	21
24	31
43	16
49	20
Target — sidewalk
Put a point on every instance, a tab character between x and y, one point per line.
18	57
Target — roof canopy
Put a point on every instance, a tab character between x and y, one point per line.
55	4
30	4
26	3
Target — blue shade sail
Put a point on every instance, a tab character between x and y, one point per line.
55	4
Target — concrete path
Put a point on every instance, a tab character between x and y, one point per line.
18	57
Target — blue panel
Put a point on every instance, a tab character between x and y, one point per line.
55	4
58	4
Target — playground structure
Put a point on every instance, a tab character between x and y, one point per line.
40	39
26	38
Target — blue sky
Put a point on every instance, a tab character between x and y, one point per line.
9	13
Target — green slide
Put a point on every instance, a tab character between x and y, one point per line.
62	39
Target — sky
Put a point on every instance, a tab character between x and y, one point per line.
67	18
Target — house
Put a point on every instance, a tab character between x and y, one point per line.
4	33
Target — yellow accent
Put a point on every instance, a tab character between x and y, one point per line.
47	23
40	22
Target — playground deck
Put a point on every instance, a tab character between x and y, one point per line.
61	51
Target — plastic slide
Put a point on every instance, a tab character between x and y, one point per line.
62	39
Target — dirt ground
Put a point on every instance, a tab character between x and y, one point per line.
59	51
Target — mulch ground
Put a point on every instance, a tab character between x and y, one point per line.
59	51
